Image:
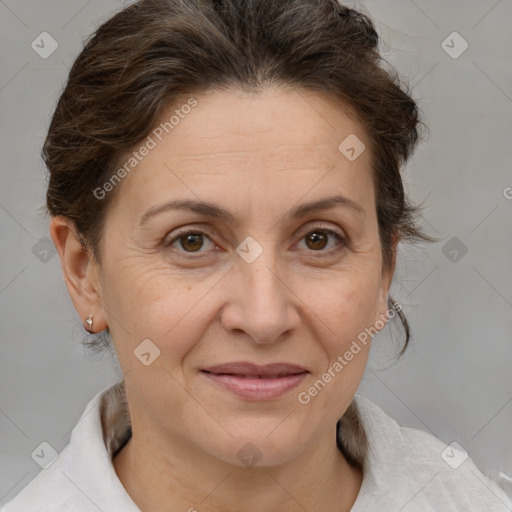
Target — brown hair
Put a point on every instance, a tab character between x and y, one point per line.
147	56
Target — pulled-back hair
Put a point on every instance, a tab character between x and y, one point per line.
154	53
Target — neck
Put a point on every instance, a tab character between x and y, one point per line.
179	477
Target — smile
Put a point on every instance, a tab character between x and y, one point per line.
254	382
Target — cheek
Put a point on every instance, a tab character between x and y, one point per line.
145	299
344	310
345	303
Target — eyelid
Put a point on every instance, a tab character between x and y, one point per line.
320	225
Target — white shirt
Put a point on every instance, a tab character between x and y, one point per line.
404	470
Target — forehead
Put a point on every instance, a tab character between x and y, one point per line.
271	119
273	136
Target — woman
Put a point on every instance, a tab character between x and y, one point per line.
226	203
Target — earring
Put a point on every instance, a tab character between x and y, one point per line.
88	326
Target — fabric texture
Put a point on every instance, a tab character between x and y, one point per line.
403	468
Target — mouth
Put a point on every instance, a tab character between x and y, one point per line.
255	382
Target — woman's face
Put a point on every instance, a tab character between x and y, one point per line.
260	279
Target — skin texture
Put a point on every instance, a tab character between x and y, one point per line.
301	301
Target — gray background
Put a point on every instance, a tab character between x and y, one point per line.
455	380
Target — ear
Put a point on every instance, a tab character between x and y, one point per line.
80	272
387	278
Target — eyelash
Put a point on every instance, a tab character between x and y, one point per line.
321	252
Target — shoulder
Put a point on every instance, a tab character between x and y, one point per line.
82	478
408	469
51	490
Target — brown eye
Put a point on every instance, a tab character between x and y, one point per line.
191	242
316	240
323	241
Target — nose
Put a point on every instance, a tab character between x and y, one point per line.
261	303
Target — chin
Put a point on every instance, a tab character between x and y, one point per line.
268	446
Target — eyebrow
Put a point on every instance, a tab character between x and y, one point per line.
214	211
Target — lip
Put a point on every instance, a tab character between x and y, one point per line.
255	382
